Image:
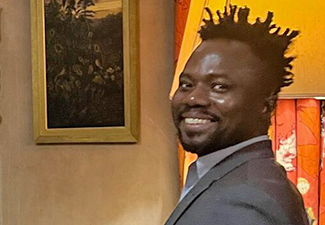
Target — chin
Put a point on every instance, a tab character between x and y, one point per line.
190	148
200	144
199	148
204	145
188	144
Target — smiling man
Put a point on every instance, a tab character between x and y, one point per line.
222	111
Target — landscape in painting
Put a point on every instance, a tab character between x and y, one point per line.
84	63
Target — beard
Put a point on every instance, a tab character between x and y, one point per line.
200	149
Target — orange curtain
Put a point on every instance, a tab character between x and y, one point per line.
322	172
181	11
308	148
285	137
298	148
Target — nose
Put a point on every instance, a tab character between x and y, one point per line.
198	97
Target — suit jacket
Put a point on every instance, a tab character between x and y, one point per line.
246	188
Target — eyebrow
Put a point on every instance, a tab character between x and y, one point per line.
210	75
184	75
217	75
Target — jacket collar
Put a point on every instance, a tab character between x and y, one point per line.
254	151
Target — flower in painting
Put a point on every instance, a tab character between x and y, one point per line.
58	48
78	83
287	152
99	80
98	63
52	32
110	70
77	69
96	48
90	69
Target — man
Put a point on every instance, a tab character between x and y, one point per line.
222	111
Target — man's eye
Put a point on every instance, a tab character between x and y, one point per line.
220	87
184	85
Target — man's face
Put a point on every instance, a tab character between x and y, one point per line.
221	97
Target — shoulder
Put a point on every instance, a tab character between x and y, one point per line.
265	177
256	192
269	177
260	185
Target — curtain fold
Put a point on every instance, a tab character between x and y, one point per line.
308	148
182	8
322	172
181	11
285	137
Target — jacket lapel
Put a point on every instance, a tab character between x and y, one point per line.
254	151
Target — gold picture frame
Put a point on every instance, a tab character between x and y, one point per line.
54	121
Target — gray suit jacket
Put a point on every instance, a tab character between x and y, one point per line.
247	188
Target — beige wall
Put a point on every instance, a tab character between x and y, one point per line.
88	184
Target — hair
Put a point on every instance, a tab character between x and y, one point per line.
263	38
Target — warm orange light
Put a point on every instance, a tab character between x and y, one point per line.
307	17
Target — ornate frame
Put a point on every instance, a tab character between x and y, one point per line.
127	133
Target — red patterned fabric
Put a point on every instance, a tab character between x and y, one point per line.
308	147
181	12
285	137
181	7
322	171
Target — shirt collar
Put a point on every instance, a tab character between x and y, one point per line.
206	162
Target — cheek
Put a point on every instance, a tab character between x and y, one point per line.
177	100
176	97
174	105
225	104
232	110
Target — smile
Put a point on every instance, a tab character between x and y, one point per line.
196	121
196	125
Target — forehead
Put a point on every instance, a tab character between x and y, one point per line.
222	56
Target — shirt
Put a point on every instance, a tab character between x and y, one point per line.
204	163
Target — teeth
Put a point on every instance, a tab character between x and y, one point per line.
196	121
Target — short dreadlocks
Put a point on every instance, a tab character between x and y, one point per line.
269	46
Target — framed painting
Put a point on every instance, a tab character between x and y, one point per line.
85	71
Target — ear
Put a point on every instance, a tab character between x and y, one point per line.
270	103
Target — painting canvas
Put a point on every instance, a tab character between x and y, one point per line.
88	70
